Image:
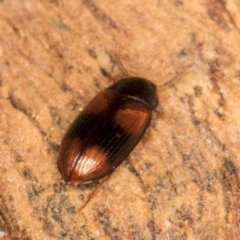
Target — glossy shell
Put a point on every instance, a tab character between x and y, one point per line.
107	130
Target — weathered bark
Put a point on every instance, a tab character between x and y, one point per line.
182	180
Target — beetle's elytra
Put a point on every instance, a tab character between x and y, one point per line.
107	130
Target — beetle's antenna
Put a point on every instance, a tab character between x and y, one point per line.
172	81
117	59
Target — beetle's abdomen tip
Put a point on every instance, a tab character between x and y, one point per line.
74	183
81	168
68	177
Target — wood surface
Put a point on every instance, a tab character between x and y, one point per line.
182	180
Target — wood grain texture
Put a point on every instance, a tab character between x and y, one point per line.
182	180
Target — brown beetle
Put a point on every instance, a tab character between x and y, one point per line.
107	130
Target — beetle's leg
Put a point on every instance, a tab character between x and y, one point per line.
94	192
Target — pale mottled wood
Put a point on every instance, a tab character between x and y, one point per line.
182	180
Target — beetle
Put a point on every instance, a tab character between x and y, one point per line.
107	130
